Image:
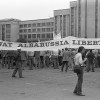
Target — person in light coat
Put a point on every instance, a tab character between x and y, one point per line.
78	61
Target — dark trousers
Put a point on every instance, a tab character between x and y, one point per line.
90	66
63	64
31	62
17	69
55	64
47	61
41	61
78	88
60	60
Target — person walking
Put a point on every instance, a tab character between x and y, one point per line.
79	62
18	66
65	59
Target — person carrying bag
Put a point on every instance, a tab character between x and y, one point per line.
78	69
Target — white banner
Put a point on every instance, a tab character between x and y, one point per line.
88	43
36	46
69	42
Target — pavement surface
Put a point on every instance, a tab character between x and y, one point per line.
47	84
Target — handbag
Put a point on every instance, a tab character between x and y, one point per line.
77	69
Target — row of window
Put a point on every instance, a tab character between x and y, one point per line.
72	10
6	29
36	30
36	36
7	37
36	25
6	26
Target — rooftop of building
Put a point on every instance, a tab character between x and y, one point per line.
9	19
38	19
73	3
61	9
61	12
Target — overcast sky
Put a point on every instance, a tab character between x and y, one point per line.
31	9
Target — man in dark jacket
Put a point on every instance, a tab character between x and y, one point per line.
18	66
90	61
65	59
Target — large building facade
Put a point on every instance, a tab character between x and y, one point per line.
73	18
37	30
88	18
9	29
82	19
30	30
62	22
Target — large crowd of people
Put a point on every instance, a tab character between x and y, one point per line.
56	59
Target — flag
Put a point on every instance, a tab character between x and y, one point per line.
58	36
38	39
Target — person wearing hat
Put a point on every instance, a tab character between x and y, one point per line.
18	64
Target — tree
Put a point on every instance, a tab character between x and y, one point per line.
22	40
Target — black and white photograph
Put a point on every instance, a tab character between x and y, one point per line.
49	49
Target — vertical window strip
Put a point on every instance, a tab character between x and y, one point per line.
96	18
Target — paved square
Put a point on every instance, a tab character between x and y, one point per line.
47	84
